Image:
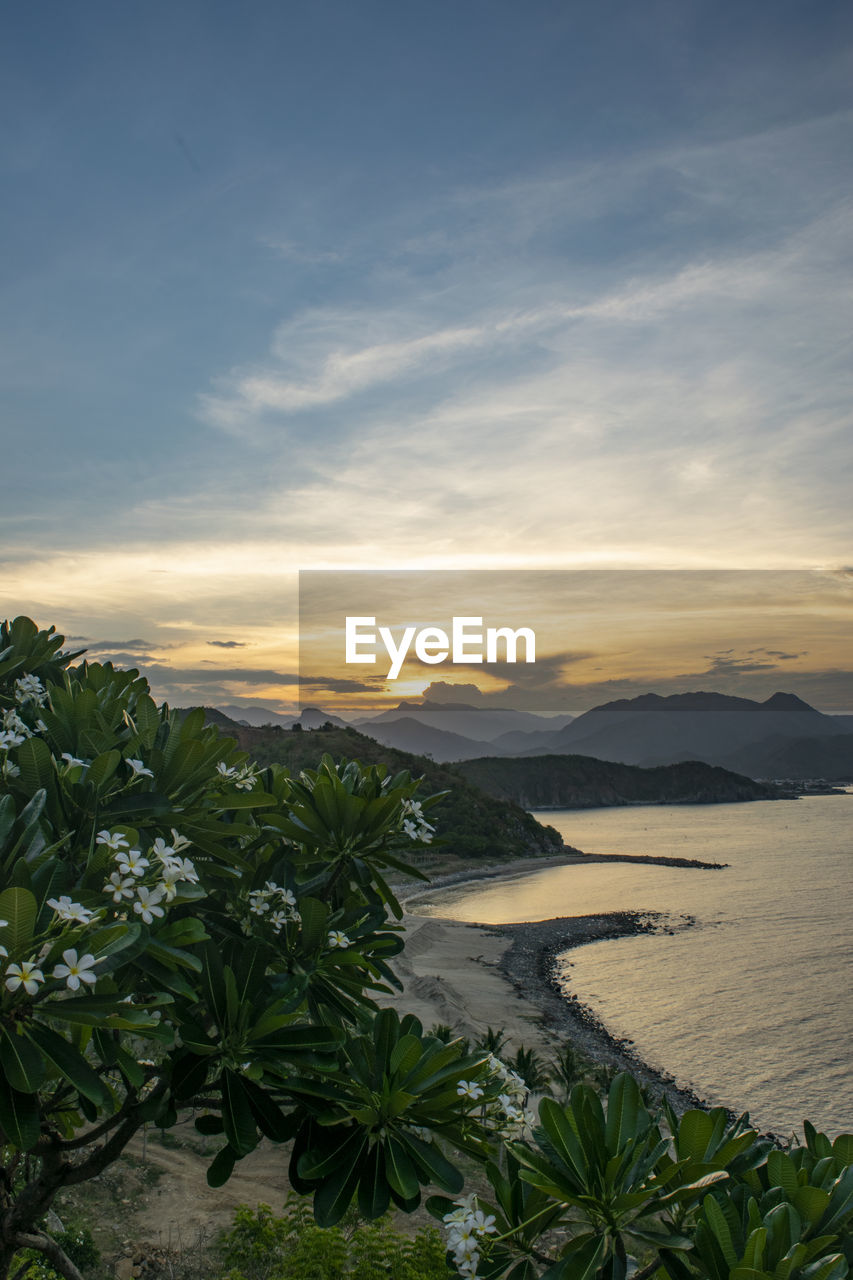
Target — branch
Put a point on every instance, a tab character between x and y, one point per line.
92	1135
649	1271
51	1250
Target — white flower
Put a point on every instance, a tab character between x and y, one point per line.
75	971
3	951
169	883
11	771
9	739
224	772
112	840
165	852
179	842
74	761
131	861
13	722
258	904
186	870
288	897
337	939
469	1089
25	974
68	910
139	769
41	727
278	920
3	924
119	886
146	904
30	688
246	780
176	871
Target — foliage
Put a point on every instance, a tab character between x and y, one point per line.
182	930
602	1183
77	1244
532	1068
584	782
263	1246
473	824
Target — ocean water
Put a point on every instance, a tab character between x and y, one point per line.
752	1005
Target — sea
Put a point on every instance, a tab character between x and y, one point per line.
751	1005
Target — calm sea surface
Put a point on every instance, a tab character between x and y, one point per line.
752	1006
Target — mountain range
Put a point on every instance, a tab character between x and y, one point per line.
782	737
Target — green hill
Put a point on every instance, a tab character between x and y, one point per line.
582	782
469	822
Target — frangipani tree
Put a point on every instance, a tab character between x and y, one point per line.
176	930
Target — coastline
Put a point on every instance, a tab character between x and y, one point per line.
473	976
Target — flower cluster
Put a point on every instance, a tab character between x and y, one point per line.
510	1114
243	779
166	870
466	1225
13	731
273	904
30	689
415	824
27	974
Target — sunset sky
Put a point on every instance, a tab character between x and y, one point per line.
443	286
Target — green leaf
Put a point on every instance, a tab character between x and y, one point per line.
240	1129
21	1061
221	1167
578	1264
439	1169
374	1195
332	1200
315	915
20	908
399	1170
102	768
71	1064
19	1117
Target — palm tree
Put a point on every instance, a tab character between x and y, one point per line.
532	1068
492	1041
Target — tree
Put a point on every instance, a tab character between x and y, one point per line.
179	930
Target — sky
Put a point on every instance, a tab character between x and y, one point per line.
429	286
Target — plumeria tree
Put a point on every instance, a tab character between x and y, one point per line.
179	930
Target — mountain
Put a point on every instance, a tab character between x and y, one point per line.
409	734
829	757
580	782
469	822
310	717
710	727
482	724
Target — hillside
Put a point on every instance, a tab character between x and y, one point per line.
712	727
470	823
581	782
829	757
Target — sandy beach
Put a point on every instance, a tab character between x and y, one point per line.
474	976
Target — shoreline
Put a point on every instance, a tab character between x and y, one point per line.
471	976
570	857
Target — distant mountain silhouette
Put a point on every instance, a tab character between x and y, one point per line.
482	724
712	727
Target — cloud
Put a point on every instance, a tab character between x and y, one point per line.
113	646
228	644
319	359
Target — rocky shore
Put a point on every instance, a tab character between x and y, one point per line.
472	976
